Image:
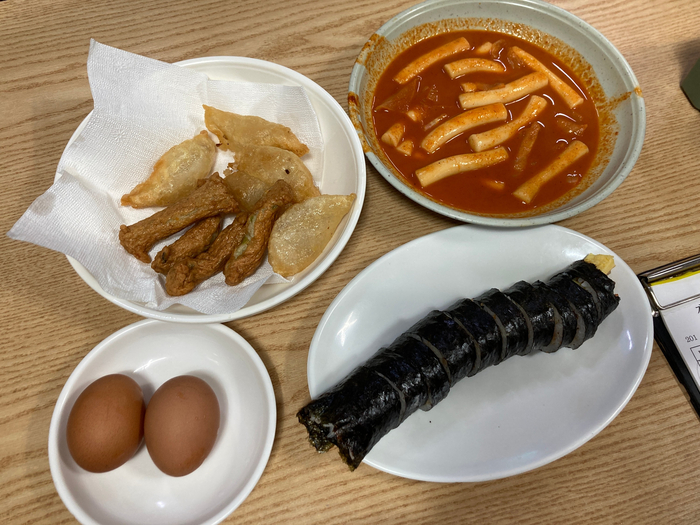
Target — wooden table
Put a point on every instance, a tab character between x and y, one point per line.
642	468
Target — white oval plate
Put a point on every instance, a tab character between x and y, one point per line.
151	352
508	419
343	173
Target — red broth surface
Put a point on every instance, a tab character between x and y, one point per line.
489	190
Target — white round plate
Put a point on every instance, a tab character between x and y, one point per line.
508	419
343	173
151	352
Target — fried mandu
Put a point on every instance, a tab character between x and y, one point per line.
270	164
193	242
304	230
187	273
247	129
175	174
249	254
211	198
247	189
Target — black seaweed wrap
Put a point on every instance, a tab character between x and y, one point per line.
510	319
419	368
538	310
580	299
450	340
567	321
603	285
485	332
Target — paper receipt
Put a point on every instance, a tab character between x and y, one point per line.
683	320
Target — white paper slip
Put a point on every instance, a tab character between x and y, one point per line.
674	294
683	324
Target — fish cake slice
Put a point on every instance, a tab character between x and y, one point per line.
193	242
187	273
211	198
249	254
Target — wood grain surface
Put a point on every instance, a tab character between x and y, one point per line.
641	469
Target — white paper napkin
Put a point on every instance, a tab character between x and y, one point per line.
143	107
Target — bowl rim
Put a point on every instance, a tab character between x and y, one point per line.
637	111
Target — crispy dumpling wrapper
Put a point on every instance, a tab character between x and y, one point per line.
270	164
303	231
232	128
175	174
247	189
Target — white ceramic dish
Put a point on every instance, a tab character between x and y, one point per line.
343	173
151	352
508	419
614	74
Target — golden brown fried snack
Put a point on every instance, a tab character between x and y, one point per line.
270	164
211	198
247	189
187	273
193	242
175	174
249	254
247	129
303	231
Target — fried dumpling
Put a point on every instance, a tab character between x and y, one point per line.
270	164
247	129
175	174
303	231
247	189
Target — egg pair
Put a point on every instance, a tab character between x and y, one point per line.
109	420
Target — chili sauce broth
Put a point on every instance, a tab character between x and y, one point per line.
438	96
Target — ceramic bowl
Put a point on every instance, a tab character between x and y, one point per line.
619	95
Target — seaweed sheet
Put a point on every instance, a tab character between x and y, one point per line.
420	367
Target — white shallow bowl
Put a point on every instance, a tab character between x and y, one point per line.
614	75
507	419
343	173
151	352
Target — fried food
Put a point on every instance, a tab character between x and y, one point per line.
303	231
185	274
250	252
247	189
211	198
270	164
232	128
175	174
193	242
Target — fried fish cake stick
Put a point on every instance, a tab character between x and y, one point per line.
250	252
193	242
459	164
569	94
472	65
461	123
211	198
508	93
574	151
496	136
186	274
430	58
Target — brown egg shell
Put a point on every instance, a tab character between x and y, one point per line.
105	425
181	424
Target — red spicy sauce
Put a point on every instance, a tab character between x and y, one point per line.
489	190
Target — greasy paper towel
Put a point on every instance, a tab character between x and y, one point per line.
143	107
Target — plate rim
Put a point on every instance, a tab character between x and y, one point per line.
104	347
288	290
313	381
